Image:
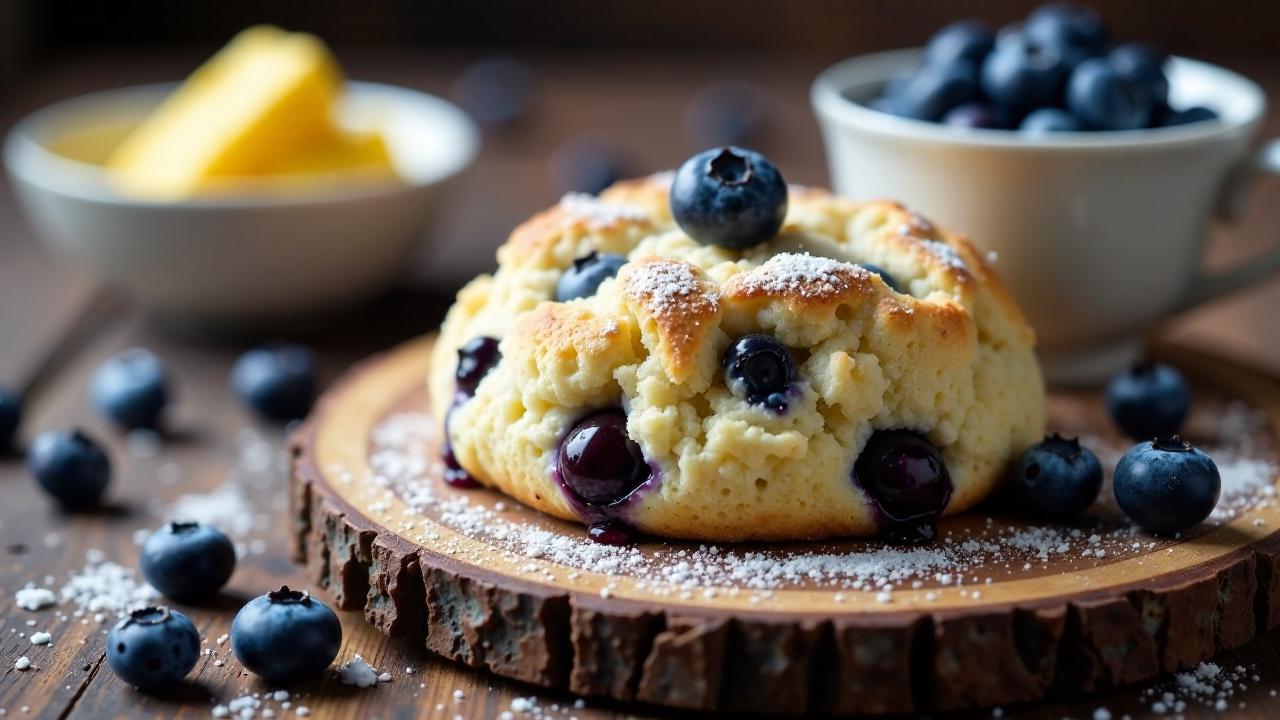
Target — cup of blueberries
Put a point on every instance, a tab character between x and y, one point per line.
1091	167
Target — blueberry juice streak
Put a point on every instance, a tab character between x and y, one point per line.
906	478
475	360
602	470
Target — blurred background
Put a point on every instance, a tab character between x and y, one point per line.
614	89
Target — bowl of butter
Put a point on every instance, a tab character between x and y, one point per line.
263	188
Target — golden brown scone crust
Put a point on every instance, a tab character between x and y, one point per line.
950	357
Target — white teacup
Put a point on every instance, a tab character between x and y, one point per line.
1098	235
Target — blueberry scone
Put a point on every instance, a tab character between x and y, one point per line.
714	355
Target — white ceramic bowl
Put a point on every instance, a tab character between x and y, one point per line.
261	254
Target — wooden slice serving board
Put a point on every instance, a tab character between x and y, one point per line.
1020	628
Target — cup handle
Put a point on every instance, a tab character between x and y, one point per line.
1265	160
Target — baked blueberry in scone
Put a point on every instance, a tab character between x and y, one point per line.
714	355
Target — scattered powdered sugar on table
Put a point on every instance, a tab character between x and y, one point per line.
227	508
1208	684
592	209
358	672
102	586
34	598
259	705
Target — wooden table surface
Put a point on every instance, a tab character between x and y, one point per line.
57	326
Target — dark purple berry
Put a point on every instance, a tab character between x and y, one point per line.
760	369
1074	31
1148	400
1195	114
974	116
611	532
285	636
599	462
187	561
964	41
69	466
454	474
936	89
278	380
1166	485
584	277
731	197
1021	74
1058	478
908	481
132	389
1049	120
475	359
153	648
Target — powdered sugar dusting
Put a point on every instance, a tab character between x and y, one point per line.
799	275
670	289
594	210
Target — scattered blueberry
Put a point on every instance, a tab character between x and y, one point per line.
69	466
888	279
1073	31
1021	74
132	389
731	197
936	89
599	463
1049	120
475	359
188	562
974	115
1195	114
1166	485
760	369
961	41
1058	478
587	273
1104	100
908	481
153	648
1148	400
1143	66
278	380
727	113
586	165
10	418
498	91
285	636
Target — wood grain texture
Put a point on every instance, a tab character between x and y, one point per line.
1092	629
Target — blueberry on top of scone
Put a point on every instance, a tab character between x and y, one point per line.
711	354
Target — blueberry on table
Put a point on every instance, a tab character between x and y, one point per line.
1148	400
132	389
153	648
760	369
731	197
1074	31
187	561
498	91
1049	120
1058	478
586	165
278	381
1104	100
1195	114
727	113
1166	485
961	41
599	462
936	89
285	636
10	418
587	272
475	359
1022	74
70	467
908	480
1142	65
974	115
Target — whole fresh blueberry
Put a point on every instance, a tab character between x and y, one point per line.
1104	100
132	389
70	467
599	462
153	648
187	561
888	279
1166	485
936	89
1049	120
586	165
498	91
731	197
1198	113
1075	31
961	41
907	479
975	115
1148	400
1021	74
475	359
587	273
1143	66
277	380
10	418
727	113
1058	478
760	369
285	636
